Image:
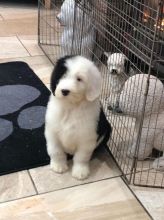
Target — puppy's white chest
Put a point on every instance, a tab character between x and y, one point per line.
116	83
68	134
74	126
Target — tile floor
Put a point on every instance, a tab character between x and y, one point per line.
40	193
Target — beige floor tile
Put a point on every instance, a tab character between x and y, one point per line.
33	216
153	200
11	47
48	85
18	27
4	30
18	11
18	19
47	180
108	199
30	42
15	185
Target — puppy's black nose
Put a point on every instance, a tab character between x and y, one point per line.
65	92
113	71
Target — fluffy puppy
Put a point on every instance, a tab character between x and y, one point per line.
75	123
118	71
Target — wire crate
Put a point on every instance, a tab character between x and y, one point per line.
125	38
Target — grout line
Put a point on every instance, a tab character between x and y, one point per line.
43	55
12	59
19	38
17	199
23	45
81	184
12	35
26	57
33	183
64	188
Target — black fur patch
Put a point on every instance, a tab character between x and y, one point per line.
104	129
127	66
58	72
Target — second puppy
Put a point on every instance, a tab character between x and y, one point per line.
119	69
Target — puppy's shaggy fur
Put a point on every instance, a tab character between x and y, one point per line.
75	122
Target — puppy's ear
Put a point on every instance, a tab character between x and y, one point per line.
58	72
107	54
127	66
94	84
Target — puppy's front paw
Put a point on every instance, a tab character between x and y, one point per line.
80	172
59	167
158	164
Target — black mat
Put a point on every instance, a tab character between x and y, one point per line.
23	100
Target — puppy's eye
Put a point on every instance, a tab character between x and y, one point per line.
79	79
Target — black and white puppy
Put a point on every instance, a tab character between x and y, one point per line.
119	69
75	123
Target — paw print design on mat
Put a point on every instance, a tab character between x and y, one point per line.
13	98
6	128
23	101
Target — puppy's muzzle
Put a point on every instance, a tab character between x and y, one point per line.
65	92
113	72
